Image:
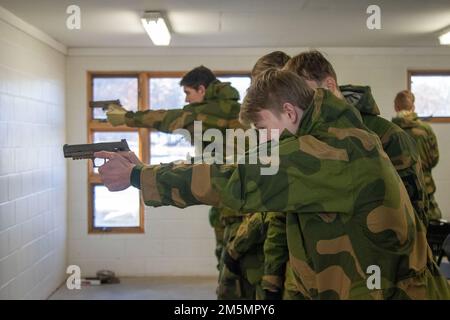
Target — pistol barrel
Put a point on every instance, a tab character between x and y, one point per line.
104	103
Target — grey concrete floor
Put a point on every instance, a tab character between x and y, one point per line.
148	288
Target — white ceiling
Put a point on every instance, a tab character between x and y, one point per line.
241	23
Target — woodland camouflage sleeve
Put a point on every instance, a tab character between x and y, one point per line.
250	233
212	114
301	184
161	120
276	253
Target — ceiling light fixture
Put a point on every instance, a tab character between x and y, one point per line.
444	38
156	27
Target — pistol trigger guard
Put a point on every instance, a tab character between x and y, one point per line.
93	162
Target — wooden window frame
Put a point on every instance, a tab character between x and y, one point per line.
143	134
425	72
101	126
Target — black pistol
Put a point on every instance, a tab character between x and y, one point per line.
86	151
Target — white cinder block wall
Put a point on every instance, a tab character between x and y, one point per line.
180	242
32	169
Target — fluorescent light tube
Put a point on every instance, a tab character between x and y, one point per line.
156	28
444	39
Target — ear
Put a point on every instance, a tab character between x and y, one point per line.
201	89
330	83
291	112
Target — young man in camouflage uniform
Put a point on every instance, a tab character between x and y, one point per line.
426	142
346	210
318	72
214	103
398	145
401	150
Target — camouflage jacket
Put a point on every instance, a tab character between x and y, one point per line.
261	239
397	144
346	210
426	143
219	110
276	253
247	246
263	233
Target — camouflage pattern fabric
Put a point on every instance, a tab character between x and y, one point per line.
276	253
291	291
219	229
219	110
428	149
247	249
397	144
346	209
400	149
260	245
232	286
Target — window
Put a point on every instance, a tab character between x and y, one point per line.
432	92
120	211
123	212
166	93
241	83
106	88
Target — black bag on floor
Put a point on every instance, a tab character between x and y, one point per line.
438	231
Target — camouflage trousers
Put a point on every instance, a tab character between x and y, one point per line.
232	286
216	223
252	269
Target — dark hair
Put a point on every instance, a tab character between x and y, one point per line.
311	65
276	59
270	90
197	77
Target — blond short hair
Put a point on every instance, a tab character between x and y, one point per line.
311	65
270	90
404	100
275	59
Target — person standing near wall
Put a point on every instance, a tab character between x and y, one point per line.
426	142
318	72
